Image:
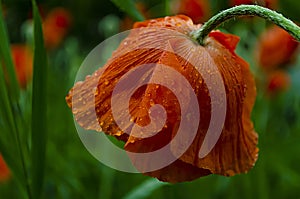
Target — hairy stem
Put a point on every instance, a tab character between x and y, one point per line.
246	10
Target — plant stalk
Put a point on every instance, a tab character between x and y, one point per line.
246	10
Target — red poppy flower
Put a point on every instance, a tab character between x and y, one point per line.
22	58
56	26
240	2
275	48
4	170
266	3
234	152
278	81
197	10
271	3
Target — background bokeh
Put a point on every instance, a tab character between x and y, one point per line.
72	28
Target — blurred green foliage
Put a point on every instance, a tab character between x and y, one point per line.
71	172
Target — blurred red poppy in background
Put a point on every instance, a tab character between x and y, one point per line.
271	4
56	26
22	58
267	3
278	81
240	2
276	47
197	10
4	170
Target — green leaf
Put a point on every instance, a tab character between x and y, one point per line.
290	8
8	132
129	7
38	122
11	147
107	181
167	7
145	189
7	60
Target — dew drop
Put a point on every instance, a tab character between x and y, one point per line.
119	133
131	141
98	129
152	103
178	24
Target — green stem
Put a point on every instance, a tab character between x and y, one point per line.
246	10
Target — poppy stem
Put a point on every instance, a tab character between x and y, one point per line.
246	10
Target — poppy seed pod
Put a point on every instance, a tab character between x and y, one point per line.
191	72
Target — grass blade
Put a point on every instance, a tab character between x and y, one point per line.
38	122
129	7
7	60
167	7
8	130
145	189
11	147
